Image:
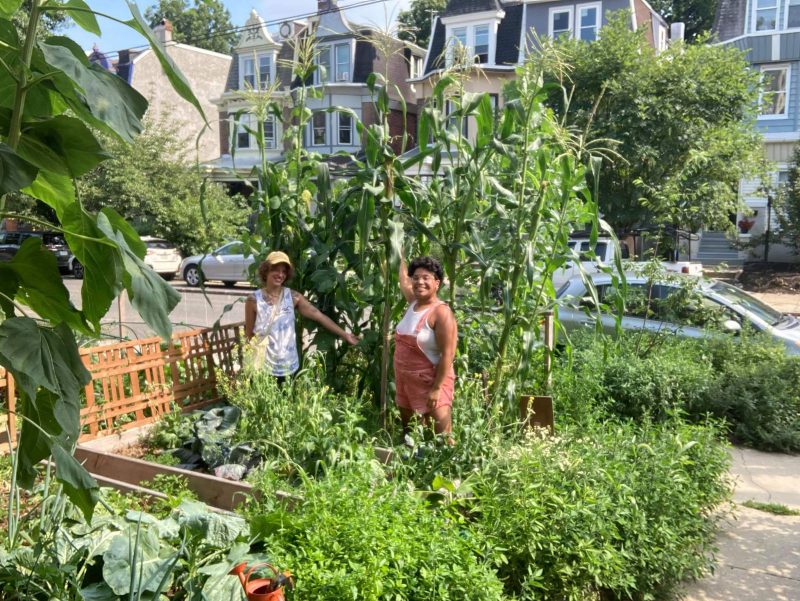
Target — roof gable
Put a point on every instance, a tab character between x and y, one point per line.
463	7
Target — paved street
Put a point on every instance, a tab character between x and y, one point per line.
194	310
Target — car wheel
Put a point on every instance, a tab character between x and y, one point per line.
192	275
77	270
229	283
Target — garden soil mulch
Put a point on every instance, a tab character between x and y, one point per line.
770	277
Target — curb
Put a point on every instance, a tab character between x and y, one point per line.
215	291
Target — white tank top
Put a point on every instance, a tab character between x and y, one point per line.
426	337
277	324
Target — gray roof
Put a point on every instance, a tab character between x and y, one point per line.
462	7
730	19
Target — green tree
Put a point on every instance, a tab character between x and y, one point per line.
697	14
680	123
207	24
415	23
150	183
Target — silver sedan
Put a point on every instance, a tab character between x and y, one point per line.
227	263
685	305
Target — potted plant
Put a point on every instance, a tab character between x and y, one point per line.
745	223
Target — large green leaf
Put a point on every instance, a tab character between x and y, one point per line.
35	270
80	13
9	7
79	485
56	191
151	296
135	557
214	529
15	172
103	266
41	356
176	78
110	101
63	145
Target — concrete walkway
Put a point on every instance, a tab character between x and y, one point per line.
759	552
783	302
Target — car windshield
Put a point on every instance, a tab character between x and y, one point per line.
740	298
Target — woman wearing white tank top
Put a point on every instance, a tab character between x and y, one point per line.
269	316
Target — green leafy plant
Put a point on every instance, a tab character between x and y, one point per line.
773	508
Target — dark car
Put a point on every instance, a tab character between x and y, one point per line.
52	241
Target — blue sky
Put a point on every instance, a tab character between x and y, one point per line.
119	37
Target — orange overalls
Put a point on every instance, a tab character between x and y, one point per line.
414	373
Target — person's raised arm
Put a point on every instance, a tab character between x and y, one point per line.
309	311
406	286
250	310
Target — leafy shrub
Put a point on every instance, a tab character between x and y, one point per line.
299	424
749	382
356	535
620	511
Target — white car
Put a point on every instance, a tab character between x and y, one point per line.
161	256
710	304
227	263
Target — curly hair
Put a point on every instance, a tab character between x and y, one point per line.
265	267
428	263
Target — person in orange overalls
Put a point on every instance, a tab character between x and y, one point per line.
425	346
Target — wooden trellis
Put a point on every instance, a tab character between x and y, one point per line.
137	381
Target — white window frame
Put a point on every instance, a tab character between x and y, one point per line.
333	72
312	127
598	6
785	113
255	60
340	129
241	127
488	41
468	41
754	16
786	15
271	143
328	67
570	30
343	76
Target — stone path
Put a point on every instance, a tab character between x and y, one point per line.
759	552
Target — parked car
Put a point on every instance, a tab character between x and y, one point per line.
227	263
10	243
686	305
594	259
161	256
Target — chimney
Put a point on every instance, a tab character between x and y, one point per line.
324	6
677	31
163	31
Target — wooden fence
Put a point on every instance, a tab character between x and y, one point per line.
137	381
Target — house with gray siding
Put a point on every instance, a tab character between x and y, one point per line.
497	35
346	55
768	31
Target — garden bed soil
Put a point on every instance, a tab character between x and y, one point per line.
770	277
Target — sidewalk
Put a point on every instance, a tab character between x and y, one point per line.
759	553
783	302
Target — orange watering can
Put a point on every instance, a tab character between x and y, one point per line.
262	589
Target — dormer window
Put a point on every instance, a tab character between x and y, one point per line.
581	21
474	41
482	44
256	71
334	60
765	15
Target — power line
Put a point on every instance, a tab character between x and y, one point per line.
243	28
